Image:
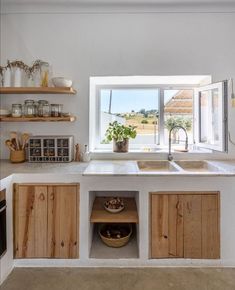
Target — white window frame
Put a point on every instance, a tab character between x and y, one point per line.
223	112
144	82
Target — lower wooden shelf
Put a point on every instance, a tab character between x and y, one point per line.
37	119
100	215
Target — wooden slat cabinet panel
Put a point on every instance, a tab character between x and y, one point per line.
185	225
30	221
62	225
167	226
210	227
192	226
46	221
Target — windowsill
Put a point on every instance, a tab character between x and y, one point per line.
162	154
152	151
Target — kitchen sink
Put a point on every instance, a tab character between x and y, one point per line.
197	166
159	166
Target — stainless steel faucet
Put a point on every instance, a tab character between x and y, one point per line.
170	156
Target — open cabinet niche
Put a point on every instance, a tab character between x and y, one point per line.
99	216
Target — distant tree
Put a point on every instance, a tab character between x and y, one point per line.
178	121
144	121
142	111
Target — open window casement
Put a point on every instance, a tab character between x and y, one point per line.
210	115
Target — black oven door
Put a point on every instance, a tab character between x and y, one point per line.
3	227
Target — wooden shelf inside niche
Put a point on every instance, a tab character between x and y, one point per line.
128	215
37	90
37	119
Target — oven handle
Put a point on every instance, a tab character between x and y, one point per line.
2	209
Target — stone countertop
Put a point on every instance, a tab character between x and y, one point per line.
7	168
130	168
107	168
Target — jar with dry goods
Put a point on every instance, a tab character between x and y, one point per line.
16	110
56	110
29	108
44	108
44	68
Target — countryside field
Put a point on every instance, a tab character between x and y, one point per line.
143	129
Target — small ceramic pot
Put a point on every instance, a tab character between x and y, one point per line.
121	147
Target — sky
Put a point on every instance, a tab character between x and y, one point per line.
126	100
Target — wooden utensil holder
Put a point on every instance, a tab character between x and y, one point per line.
17	156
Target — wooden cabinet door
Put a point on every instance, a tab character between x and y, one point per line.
62	221
185	225
30	221
166	226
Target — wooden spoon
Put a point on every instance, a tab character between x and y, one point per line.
10	145
15	138
25	138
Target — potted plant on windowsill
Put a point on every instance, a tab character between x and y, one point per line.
120	135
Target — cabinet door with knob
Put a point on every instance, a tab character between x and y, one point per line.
46	220
185	225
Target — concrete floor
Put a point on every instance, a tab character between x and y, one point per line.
120	279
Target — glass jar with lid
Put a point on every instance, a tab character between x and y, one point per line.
44	108
44	68
16	110
56	110
29	108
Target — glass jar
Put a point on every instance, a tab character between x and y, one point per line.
16	110
56	110
44	69
29	108
43	108
36	109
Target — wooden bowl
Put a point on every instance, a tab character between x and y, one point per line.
115	242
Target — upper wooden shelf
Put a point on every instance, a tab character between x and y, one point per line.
128	215
37	90
37	119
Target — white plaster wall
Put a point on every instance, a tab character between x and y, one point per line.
83	45
6	261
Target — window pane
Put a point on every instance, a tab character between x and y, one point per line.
209	117
178	110
137	107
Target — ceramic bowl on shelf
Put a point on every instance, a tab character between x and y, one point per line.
4	112
61	82
114	205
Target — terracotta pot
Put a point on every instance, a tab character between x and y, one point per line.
121	146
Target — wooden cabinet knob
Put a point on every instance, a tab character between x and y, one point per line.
62	244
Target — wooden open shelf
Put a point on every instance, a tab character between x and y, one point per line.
38	119
100	215
37	90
